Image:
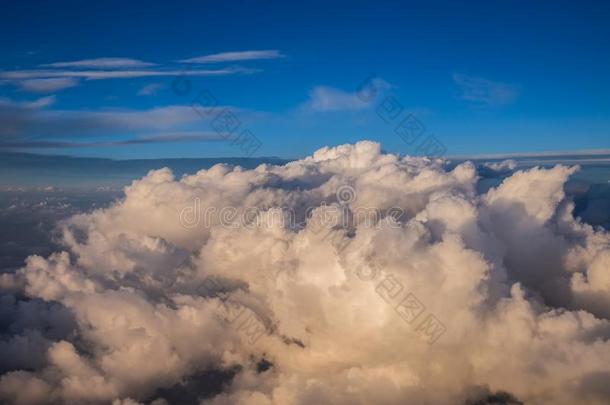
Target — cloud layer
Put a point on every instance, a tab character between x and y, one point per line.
166	296
30	124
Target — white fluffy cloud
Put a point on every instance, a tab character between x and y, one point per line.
505	165
512	289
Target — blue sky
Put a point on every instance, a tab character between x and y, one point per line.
95	78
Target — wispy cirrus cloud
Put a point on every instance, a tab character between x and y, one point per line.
47	85
102	63
9	104
324	98
117	74
150	89
485	92
235	56
31	119
327	99
30	124
61	75
170	137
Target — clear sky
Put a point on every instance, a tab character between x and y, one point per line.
98	78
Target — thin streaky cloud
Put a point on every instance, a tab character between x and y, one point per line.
101	63
24	120
235	56
327	99
118	74
485	92
174	137
559	153
185	136
324	99
25	105
48	84
150	89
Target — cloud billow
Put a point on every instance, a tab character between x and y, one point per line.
521	287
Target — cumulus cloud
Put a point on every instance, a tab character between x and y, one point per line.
495	169
511	289
503	166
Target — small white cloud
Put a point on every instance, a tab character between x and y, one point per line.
505	165
150	89
322	98
235	56
48	85
325	98
484	91
101	63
